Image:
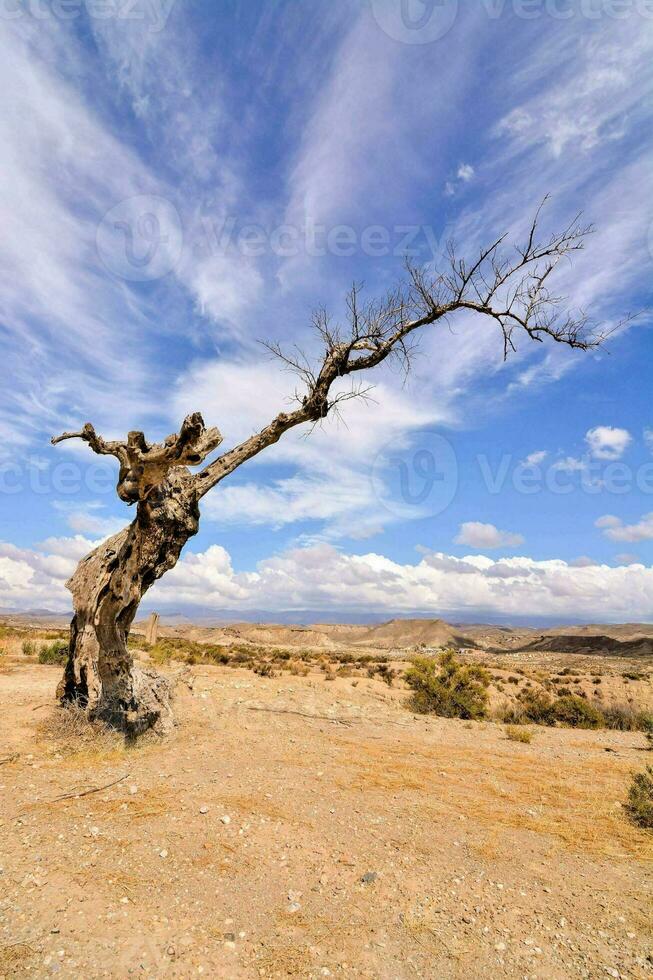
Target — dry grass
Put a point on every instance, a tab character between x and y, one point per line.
14	957
67	732
516	734
285	960
573	802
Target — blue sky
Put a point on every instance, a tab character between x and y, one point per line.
182	179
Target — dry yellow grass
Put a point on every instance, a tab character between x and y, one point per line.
67	732
578	804
14	957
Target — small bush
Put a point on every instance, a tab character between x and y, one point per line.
626	718
640	798
385	672
577	713
54	653
535	706
28	647
517	734
447	688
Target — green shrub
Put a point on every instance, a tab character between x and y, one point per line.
28	647
532	705
54	653
640	798
577	712
447	688
626	718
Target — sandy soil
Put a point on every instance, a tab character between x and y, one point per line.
294	827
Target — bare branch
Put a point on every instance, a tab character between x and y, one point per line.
144	466
509	290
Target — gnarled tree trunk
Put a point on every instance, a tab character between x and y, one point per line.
107	588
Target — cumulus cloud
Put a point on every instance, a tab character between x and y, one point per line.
615	529
478	535
606	442
321	577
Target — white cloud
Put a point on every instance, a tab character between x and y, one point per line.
569	464
478	535
607	442
536	458
465	172
615	529
86	519
332	479
322	578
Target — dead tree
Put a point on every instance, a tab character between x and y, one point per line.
510	290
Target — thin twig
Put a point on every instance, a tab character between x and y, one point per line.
302	714
86	792
10	758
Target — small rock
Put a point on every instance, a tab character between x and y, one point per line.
163	853
500	947
294	907
610	970
369	877
225	819
133	790
204	809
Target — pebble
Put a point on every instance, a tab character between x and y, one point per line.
225	819
163	853
369	877
204	809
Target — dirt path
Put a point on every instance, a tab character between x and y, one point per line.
269	843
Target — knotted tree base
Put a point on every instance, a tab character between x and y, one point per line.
151	708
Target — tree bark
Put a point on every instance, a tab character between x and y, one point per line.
107	588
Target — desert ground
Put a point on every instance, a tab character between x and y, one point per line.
303	822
